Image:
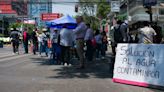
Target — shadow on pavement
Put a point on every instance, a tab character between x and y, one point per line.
42	61
94	69
97	69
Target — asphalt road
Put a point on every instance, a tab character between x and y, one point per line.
29	73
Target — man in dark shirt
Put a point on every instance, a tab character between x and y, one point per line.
15	40
34	41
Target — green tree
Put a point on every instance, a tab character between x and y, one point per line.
103	9
91	14
88	9
30	27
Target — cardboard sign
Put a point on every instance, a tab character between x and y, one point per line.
140	64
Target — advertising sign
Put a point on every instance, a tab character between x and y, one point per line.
115	6
140	64
49	16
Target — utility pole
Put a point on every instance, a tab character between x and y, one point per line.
149	11
48	4
3	25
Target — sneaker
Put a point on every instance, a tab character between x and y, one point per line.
65	64
97	58
13	53
103	58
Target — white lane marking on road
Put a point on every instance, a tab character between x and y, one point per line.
46	91
11	63
2	55
15	57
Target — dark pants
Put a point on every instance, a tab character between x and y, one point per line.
98	50
35	46
89	52
113	48
56	51
15	45
103	49
65	54
25	46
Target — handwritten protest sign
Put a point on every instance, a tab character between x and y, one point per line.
140	64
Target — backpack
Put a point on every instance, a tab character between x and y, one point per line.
117	35
15	36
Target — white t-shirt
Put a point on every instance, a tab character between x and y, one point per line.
146	34
66	38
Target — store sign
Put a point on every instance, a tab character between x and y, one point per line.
140	64
29	22
50	16
115	6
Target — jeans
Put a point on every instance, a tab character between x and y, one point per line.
98	50
103	49
56	51
40	48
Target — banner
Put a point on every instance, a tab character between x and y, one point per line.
140	64
49	16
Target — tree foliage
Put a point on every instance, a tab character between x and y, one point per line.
93	11
30	27
103	9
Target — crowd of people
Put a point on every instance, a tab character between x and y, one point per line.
147	33
84	43
61	44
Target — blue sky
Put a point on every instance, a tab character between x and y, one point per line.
65	8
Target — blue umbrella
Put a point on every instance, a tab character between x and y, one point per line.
58	23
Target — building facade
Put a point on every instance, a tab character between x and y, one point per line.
137	12
38	7
10	11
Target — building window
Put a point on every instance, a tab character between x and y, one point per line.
161	11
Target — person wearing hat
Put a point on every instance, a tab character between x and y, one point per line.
43	42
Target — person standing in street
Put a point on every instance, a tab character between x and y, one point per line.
34	41
98	39
44	43
56	50
15	40
80	32
88	39
104	44
25	40
113	43
66	40
146	34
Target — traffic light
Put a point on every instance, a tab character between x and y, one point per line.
76	8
